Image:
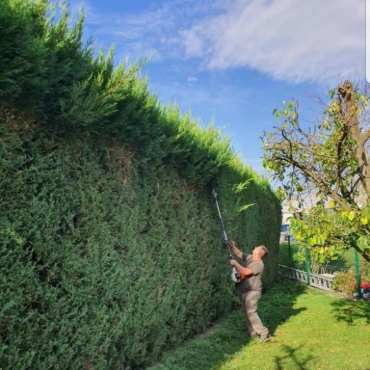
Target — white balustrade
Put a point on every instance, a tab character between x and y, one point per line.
318	281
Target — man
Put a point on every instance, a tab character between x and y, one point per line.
250	288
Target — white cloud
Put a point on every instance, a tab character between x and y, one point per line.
290	40
141	33
286	39
192	79
136	34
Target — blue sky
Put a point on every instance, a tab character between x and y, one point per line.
234	61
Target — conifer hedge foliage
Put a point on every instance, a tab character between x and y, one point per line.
110	248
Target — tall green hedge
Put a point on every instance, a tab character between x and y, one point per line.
110	248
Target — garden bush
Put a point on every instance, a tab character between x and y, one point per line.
110	244
345	281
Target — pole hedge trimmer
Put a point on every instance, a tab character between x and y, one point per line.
235	275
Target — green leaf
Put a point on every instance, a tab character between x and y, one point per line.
312	241
243	208
8	305
242	186
320	240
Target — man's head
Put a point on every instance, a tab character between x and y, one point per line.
260	252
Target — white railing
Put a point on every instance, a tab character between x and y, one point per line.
318	281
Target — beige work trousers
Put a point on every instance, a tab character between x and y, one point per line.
249	303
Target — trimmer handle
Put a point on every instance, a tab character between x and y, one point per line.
227	245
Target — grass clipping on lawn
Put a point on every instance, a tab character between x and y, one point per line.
311	330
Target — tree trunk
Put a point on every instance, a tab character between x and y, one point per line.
349	99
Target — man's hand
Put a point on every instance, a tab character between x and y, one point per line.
232	244
245	271
232	262
234	249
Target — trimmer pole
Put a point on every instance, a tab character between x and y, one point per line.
235	275
226	240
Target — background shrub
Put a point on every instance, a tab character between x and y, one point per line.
345	281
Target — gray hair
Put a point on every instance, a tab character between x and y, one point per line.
265	251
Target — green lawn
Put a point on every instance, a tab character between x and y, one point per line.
311	330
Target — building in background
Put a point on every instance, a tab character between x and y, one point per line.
285	232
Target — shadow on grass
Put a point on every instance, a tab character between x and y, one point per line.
228	337
351	312
277	305
291	356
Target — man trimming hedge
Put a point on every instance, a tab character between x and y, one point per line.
250	287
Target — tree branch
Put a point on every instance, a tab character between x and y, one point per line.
319	183
365	137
